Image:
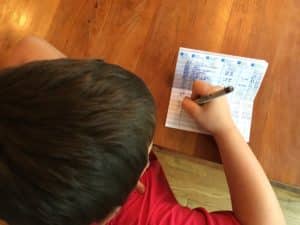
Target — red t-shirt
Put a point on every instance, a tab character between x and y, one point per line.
158	206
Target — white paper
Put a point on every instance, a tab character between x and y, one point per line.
244	74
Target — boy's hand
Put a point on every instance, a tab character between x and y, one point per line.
213	116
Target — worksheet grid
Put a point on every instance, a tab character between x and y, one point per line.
244	74
178	118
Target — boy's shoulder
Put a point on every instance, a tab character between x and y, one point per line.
157	205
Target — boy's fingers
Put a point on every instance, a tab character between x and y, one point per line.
191	107
200	88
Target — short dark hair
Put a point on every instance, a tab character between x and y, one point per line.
74	136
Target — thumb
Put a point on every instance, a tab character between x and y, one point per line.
192	108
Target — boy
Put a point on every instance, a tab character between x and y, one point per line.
75	135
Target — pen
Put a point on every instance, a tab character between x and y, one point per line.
208	98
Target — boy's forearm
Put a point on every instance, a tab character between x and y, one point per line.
30	49
253	199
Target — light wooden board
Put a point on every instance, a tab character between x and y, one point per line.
200	183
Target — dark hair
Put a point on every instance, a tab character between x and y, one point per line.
74	136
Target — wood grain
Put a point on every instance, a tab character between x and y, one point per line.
144	37
21	18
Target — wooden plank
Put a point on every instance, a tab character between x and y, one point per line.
21	18
270	30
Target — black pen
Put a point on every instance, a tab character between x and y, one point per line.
208	98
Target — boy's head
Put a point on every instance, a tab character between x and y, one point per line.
74	136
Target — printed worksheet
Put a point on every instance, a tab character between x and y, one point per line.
244	74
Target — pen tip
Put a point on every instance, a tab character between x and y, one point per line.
229	89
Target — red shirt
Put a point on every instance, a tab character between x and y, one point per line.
158	206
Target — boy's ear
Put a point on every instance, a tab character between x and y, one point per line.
109	217
140	187
150	147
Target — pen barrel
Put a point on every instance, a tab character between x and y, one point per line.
219	93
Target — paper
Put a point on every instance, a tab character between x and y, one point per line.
244	74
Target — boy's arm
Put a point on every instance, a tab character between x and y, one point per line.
252	197
30	49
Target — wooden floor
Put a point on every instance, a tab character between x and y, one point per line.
197	182
144	36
